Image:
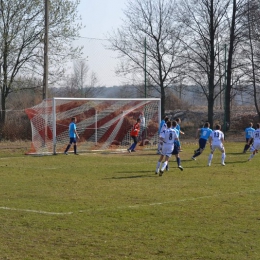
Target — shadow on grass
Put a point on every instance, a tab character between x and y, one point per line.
134	176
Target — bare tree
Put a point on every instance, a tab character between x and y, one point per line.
203	20
153	22
251	51
21	40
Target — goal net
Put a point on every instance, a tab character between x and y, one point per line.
102	124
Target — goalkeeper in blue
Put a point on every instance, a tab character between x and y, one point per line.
203	134
73	136
167	137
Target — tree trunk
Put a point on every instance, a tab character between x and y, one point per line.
228	86
211	75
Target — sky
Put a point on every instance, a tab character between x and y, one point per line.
100	17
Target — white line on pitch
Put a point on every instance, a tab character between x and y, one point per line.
37	211
190	199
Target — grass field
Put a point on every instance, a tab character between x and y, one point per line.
113	206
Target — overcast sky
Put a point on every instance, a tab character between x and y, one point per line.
100	17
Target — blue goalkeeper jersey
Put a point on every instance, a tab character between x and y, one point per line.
72	128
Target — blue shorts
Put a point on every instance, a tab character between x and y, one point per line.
202	143
176	149
73	140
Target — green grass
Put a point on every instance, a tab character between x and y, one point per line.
113	206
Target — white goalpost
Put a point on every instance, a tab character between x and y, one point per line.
102	123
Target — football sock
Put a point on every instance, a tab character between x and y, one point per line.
223	157
178	161
210	158
164	165
68	147
246	147
158	166
75	148
251	156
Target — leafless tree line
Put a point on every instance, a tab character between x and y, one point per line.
212	45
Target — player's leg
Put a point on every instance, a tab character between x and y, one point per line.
246	147
131	147
211	155
255	147
223	156
68	146
178	159
202	144
75	146
164	164
158	164
134	144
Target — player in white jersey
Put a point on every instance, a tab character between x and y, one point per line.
167	137
216	141
256	141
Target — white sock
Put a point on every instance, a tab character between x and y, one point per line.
210	158
251	156
223	157
164	165
158	166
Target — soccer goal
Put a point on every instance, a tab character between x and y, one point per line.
102	123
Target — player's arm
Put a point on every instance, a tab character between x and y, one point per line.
210	140
76	133
197	133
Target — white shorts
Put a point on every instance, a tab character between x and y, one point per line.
255	146
167	149
220	147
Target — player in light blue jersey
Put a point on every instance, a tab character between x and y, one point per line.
249	131
203	134
178	127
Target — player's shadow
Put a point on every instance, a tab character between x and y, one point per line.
133	176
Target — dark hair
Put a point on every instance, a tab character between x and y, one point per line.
258	125
73	118
166	119
207	124
177	119
218	127
169	124
174	123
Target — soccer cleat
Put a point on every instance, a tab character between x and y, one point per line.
180	167
209	164
161	173
193	158
167	168
65	153
157	171
129	150
76	153
223	164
